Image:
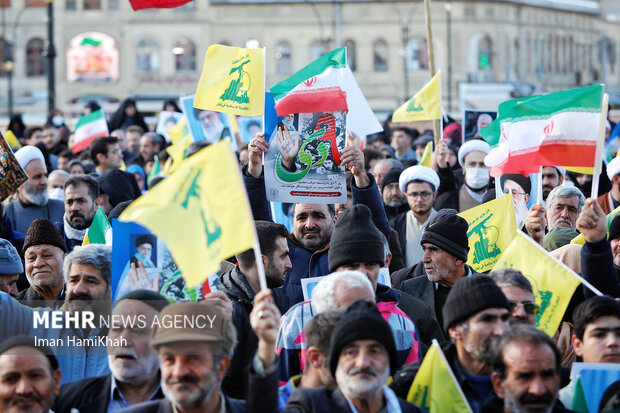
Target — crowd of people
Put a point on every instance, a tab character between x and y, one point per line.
275	351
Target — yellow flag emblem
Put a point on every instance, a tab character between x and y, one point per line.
424	105
553	282
232	81
492	228
434	388
201	212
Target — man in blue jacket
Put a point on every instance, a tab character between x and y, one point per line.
313	224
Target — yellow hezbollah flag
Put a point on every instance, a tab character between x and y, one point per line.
232	81
181	139
12	140
581	240
434	388
201	212
553	282
426	156
424	105
492	228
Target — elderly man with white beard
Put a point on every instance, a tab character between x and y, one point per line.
519	186
33	201
135	376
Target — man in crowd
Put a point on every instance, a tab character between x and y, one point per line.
44	251
56	184
362	356
401	141
33	201
10	268
29	376
150	144
133	134
519	293
33	135
241	284
600	258
383	166
81	203
526	373
552	177
445	247
313	224
475	317
394	200
317	333
564	204
419	184
106	153
134	367
476	174
121	135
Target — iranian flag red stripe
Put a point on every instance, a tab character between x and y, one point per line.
88	128
318	87
156	4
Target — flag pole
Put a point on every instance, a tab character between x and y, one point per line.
599	147
259	265
539	194
264	83
431	61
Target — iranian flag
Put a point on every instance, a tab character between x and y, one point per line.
89	127
318	87
156	4
560	129
100	231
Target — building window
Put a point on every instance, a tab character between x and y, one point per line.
317	49
70	5
35	64
283	58
184	55
485	52
380	52
92	5
351	54
147	56
417	54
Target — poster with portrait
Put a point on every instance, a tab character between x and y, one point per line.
474	121
207	124
11	173
140	260
303	162
166	121
249	126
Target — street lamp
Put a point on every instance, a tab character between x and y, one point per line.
50	54
448	8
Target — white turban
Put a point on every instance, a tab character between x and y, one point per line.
562	171
418	172
470	146
29	153
613	168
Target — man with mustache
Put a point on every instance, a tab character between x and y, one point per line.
526	373
33	201
564	204
362	356
81	203
519	293
44	252
134	376
29	376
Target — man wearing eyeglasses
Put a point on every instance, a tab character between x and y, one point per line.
419	184
519	293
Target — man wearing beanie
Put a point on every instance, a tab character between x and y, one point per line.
600	258
394	201
358	245
445	247
10	268
362	356
134	376
475	317
33	201
44	253
419	184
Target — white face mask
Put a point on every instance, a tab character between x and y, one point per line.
57	120
56	193
477	178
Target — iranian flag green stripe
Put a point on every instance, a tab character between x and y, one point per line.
88	128
318	87
558	129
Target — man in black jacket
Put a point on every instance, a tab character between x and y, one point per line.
241	285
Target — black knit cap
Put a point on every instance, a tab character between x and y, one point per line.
390	177
43	231
362	321
448	231
28	341
355	239
614	228
470	295
148	297
117	185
